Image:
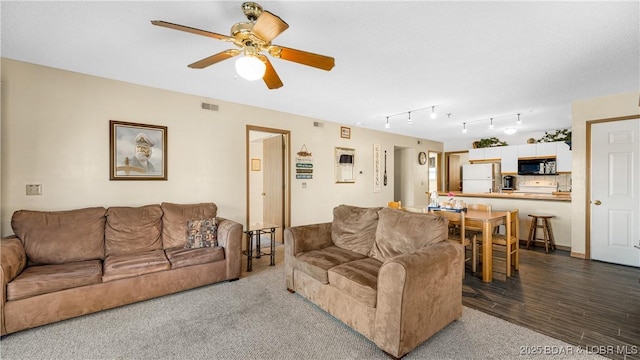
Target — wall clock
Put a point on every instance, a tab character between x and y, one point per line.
422	158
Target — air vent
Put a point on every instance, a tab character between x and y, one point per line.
207	106
317	124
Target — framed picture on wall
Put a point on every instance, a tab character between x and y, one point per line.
255	164
137	151
345	132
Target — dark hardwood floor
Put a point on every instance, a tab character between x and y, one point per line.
585	303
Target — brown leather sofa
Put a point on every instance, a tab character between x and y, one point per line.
386	273
64	264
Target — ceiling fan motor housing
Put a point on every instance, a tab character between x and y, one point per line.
252	10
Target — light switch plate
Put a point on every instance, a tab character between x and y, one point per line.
34	189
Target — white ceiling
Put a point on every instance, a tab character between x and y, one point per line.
475	60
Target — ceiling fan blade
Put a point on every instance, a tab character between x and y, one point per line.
268	26
302	57
224	55
270	77
191	30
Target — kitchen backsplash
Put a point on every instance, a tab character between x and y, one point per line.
564	180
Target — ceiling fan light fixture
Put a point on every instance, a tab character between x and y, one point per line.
250	67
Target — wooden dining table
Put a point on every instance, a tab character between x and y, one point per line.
486	220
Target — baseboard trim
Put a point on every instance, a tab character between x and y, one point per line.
578	255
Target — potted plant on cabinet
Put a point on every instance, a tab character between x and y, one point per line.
488	142
558	135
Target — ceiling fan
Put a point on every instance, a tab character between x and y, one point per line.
253	38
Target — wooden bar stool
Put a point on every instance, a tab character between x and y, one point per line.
541	222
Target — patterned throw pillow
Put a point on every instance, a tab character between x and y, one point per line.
202	233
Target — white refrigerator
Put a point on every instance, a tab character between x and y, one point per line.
480	178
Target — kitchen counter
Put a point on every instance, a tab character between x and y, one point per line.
509	194
557	204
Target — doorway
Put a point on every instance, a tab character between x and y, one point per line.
613	205
453	169
268	174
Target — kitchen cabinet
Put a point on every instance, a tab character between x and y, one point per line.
540	150
527	150
509	155
563	157
546	149
493	153
476	154
489	153
509	160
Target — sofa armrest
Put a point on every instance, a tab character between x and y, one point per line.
230	238
298	239
418	294
13	260
303	238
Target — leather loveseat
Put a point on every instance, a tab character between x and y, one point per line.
64	264
388	274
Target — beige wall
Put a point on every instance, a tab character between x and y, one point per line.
583	111
55	132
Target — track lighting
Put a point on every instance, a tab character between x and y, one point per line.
409	120
509	131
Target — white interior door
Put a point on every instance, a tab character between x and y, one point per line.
615	192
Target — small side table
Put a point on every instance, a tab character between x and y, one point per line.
256	230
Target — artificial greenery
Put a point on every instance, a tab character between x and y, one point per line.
489	142
558	135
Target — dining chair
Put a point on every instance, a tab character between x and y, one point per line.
480	207
458	234
509	240
477	231
395	204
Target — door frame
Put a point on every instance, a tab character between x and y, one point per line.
587	204
445	167
286	168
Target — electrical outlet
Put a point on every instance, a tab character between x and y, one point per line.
34	189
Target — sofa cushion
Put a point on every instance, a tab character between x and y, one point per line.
60	237
202	233
354	228
401	232
315	263
130	265
358	279
131	230
181	257
175	218
43	279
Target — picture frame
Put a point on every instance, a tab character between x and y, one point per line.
137	151
345	132
255	164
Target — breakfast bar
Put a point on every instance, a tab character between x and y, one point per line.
557	204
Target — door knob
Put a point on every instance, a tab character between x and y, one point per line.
597	202
263	194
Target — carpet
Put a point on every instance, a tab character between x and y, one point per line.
256	318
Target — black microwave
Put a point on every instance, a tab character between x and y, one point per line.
542	166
